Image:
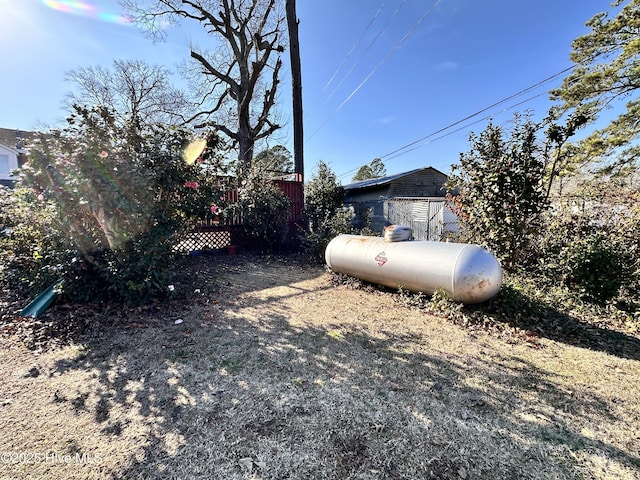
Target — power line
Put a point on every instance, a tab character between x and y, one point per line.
504	100
468	125
403	150
391	52
380	32
354	47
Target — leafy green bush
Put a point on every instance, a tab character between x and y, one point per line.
265	211
595	266
322	196
32	253
117	201
314	242
324	214
592	247
500	190
139	270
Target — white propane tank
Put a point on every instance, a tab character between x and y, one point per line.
468	273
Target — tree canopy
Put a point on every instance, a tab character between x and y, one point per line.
236	83
133	90
607	72
374	169
275	160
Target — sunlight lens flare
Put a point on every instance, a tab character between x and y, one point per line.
191	153
84	9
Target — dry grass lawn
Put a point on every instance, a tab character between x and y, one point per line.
271	371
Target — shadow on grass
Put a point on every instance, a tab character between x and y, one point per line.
238	397
517	309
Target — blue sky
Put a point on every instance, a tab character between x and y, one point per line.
419	66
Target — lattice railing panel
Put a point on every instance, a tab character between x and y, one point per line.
203	241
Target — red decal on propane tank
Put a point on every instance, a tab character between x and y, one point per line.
381	258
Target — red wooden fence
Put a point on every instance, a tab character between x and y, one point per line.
294	190
214	235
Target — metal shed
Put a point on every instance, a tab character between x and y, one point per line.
415	199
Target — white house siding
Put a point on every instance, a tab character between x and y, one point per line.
8	163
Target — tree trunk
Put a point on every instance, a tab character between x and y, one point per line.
296	78
245	150
248	33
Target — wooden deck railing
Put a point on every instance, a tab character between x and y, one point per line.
218	233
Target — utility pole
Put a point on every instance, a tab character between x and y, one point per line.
296	80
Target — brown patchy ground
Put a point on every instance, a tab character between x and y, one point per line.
271	371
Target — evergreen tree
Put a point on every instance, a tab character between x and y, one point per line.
375	169
607	72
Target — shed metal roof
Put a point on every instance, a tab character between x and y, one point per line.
374	182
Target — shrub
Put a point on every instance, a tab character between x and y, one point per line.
265	211
139	270
33	253
592	247
324	214
322	197
315	242
501	191
117	202
595	266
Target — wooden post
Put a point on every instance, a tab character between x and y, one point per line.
296	80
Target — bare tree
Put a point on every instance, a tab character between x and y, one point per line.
135	91
243	71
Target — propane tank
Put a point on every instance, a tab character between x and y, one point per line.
467	273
